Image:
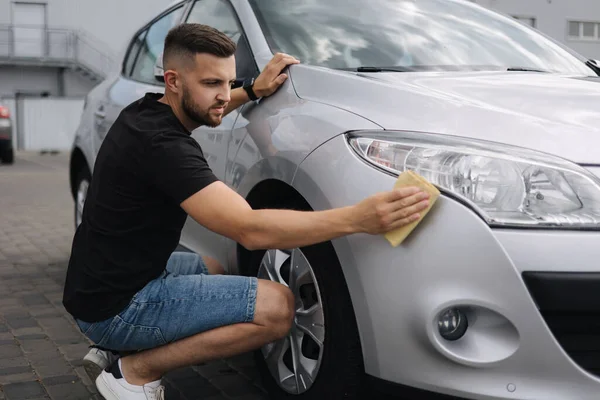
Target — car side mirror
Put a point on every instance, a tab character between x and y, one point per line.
158	69
595	65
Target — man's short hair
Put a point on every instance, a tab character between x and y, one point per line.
186	40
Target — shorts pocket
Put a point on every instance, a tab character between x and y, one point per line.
125	336
95	331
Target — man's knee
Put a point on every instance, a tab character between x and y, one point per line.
274	307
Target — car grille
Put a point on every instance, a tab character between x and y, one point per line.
570	305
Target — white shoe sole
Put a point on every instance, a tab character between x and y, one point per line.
105	389
93	365
92	369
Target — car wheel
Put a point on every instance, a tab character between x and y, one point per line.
82	184
8	156
321	357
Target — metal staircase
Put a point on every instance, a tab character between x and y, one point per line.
27	45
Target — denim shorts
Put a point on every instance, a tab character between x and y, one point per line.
183	301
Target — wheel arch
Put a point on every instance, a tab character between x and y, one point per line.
271	193
76	163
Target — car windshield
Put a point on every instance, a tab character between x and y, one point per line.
414	34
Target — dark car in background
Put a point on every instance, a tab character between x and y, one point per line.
6	127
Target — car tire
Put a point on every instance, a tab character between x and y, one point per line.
341	371
82	184
8	156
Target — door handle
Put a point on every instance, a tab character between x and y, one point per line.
99	113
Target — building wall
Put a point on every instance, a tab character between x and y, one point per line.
28	80
75	85
108	25
48	124
35	81
49	121
110	22
552	18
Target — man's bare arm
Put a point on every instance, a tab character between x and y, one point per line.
238	98
224	211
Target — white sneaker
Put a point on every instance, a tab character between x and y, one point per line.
96	360
112	386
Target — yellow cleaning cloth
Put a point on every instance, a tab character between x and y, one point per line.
409	178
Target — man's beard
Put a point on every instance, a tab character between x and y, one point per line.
194	113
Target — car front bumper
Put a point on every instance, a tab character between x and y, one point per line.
513	348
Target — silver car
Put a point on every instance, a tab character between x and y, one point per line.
496	294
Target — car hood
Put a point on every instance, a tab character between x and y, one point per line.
551	113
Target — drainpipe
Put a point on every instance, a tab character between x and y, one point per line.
11	34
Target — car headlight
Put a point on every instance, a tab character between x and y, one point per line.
506	185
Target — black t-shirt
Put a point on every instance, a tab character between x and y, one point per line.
132	220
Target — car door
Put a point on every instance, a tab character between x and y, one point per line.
215	141
137	75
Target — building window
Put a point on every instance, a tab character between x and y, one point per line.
526	20
584	30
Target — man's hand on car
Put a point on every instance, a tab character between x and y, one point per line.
271	78
386	211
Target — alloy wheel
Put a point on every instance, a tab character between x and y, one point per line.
294	360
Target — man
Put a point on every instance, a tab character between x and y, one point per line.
126	288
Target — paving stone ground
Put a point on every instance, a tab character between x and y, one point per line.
41	348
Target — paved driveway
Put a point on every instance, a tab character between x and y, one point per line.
40	347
